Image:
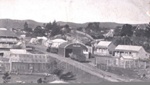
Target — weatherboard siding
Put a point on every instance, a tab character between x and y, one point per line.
141	54
100	50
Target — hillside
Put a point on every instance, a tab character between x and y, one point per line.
102	24
9	23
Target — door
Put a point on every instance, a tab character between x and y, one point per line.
68	51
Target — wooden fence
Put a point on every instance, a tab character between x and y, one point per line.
115	62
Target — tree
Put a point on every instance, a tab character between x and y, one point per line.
139	32
58	70
52	66
94	29
65	29
123	41
55	29
126	30
117	31
39	81
48	27
45	80
63	76
26	26
147	31
80	29
67	76
38	31
126	40
6	77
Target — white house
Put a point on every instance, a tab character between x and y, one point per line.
131	52
104	48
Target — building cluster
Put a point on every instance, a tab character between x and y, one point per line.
124	56
14	55
105	52
120	55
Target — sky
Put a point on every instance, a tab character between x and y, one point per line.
79	11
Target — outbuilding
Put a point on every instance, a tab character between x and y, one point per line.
104	48
78	49
55	45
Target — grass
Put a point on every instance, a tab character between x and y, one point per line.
26	78
81	76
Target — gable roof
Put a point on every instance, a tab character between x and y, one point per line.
128	48
104	43
59	40
7	33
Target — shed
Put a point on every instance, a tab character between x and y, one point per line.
55	45
67	47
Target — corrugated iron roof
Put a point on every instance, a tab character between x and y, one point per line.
62	45
7	33
58	40
104	43
128	48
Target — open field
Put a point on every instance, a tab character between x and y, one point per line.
26	78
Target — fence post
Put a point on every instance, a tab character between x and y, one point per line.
145	65
124	64
134	64
10	67
130	64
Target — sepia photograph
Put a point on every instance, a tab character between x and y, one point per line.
74	41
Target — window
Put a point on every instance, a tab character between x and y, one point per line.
1	54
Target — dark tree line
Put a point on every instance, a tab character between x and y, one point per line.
128	33
48	29
93	29
129	30
126	30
